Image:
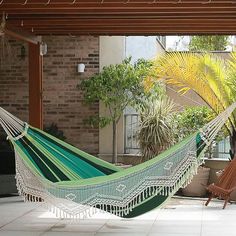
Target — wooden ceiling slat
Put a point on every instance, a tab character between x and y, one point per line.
124	16
116	10
108	22
142	27
121	16
116	7
135	32
121	4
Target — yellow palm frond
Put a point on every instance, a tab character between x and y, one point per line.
205	74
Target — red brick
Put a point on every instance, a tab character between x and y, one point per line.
63	103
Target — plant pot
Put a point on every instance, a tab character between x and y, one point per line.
7	163
7	184
197	186
7	173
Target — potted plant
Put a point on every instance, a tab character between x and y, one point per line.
116	86
7	160
196	188
54	131
187	122
156	126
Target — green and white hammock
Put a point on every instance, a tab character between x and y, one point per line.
75	184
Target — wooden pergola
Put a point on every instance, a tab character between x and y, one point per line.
121	17
26	19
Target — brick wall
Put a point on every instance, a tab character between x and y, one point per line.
62	101
14	79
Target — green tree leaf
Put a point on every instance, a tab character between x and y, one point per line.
117	86
209	43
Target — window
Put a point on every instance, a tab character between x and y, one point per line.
131	129
162	40
222	148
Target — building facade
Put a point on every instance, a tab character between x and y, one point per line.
114	50
63	102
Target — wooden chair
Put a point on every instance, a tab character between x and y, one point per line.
225	186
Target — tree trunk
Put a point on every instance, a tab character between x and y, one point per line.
233	144
114	142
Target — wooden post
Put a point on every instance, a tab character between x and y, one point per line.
35	86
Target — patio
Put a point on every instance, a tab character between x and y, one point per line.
181	216
40	86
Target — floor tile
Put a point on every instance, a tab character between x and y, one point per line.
62	227
20	233
172	234
217	234
67	234
124	228
219	229
180	217
27	226
176	229
120	234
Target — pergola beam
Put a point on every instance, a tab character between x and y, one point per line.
96	17
21	35
108	22
108	5
35	86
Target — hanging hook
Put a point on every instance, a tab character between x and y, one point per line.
1	2
26	1
3	23
154	1
48	2
3	19
179	1
207	2
73	2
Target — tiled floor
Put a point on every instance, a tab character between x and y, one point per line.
185	217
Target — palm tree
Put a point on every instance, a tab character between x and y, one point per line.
211	77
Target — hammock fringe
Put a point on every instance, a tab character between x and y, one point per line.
83	212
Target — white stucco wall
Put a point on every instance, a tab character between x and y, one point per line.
113	49
146	47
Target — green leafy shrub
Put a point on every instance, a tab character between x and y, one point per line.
116	86
54	131
156	127
191	119
5	145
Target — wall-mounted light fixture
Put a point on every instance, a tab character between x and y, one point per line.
43	49
22	52
80	68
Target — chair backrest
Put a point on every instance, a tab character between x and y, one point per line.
228	179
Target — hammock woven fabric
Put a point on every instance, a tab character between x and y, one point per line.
75	184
